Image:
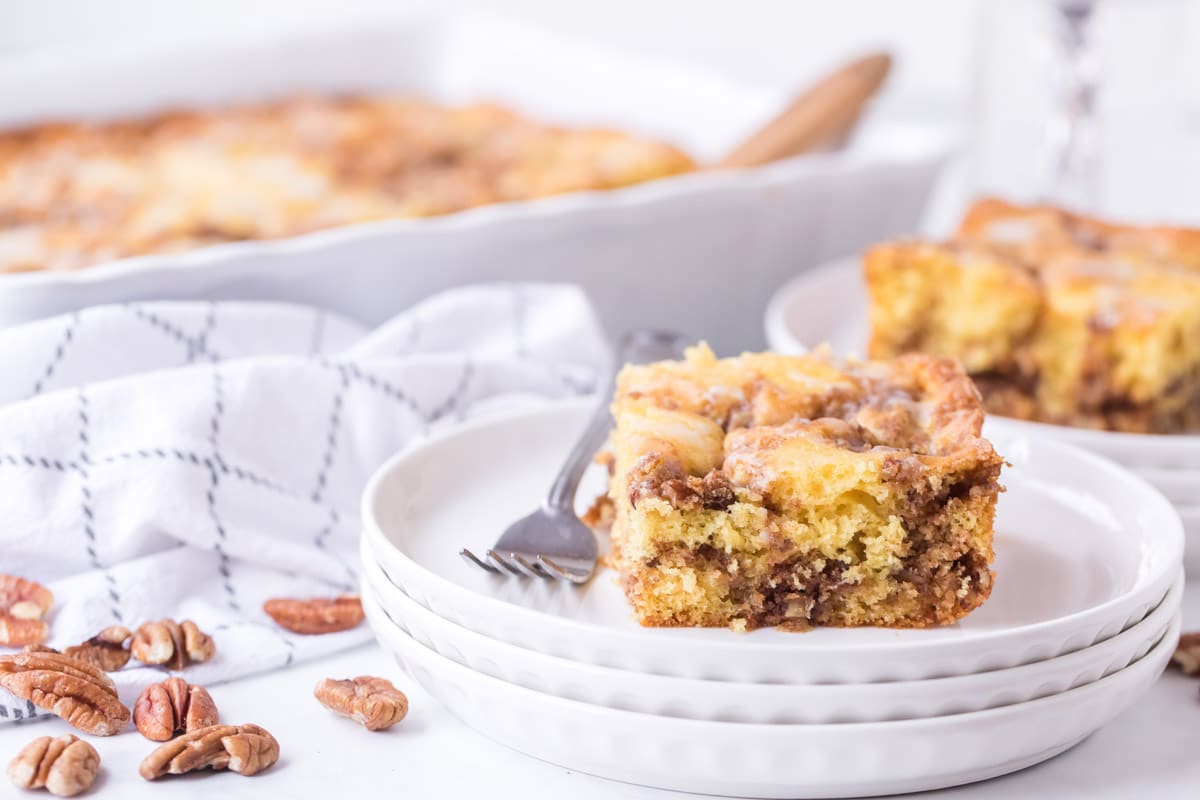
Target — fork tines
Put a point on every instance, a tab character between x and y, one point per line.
521	566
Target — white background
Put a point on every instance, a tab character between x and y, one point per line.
782	42
763	41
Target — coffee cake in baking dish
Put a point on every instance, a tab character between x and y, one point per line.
1058	317
800	490
75	194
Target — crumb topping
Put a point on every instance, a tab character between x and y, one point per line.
723	425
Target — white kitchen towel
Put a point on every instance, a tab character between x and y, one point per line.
191	460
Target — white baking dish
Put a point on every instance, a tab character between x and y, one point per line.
700	252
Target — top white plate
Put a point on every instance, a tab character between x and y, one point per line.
1084	549
829	304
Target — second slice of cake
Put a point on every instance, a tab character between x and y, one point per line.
777	490
1058	318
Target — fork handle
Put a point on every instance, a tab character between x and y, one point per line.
640	346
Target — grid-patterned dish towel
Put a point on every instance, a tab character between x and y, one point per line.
192	460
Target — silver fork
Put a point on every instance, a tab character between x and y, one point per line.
552	542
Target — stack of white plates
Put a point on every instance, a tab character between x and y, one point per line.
1083	619
830	305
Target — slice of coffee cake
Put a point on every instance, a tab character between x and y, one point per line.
775	490
1058	317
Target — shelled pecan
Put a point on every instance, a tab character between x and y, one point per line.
171	644
106	649
64	766
75	690
1187	653
23	606
173	706
372	702
316	615
244	749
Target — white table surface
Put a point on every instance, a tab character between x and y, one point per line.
1149	752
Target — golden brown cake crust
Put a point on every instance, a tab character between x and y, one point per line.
74	194
767	490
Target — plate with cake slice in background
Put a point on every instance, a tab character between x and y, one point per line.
1072	327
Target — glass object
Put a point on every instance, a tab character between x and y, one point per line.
1072	168
1092	104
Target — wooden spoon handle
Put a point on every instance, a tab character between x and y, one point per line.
820	116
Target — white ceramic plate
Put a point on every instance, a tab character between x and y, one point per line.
725	758
673	239
759	702
1084	549
829	304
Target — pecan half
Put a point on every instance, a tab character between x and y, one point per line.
106	649
316	614
372	702
1187	653
171	644
23	604
16	632
26	609
28	595
64	766
245	749
173	706
75	690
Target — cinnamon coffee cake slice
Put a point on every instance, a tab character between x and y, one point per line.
771	490
1059	318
